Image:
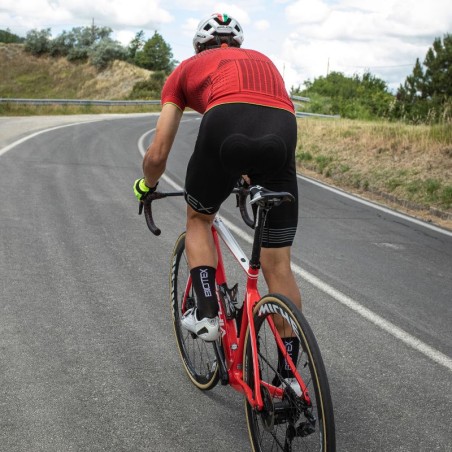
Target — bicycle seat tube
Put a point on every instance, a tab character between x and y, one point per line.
261	216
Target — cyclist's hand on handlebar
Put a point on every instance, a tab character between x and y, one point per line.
141	190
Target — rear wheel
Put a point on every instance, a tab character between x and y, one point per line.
198	356
288	422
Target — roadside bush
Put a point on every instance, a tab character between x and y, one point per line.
79	44
358	97
37	42
78	54
149	89
106	51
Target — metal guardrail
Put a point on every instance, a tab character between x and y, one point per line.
112	103
78	102
301	114
300	98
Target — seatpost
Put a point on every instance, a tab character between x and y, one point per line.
261	216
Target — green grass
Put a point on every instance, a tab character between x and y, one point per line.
409	162
445	196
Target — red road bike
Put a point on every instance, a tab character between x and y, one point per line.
283	414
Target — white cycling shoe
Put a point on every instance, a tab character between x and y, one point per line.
207	329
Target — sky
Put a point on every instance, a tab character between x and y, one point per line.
305	38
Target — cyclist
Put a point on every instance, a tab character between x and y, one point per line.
248	128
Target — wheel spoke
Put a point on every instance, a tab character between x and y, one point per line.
198	356
286	422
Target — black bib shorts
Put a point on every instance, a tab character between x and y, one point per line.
236	139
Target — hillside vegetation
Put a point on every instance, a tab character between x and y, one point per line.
406	166
44	77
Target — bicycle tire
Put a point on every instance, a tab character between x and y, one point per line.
273	428
198	356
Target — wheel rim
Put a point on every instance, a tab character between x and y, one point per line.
197	355
293	420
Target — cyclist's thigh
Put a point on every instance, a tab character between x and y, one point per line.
282	221
207	183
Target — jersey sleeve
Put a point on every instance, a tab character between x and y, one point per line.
172	91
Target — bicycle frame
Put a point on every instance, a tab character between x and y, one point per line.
233	340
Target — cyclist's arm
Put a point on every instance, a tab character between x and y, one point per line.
154	161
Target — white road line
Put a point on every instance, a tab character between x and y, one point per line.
10	146
385	325
29	137
142	148
369	315
375	205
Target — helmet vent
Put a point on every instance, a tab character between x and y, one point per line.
216	30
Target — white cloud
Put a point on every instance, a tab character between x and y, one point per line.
239	10
124	36
386	36
189	26
136	13
23	15
262	25
307	11
352	36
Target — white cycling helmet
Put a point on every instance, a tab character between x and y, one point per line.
216	30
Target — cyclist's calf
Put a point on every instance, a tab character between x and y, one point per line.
199	241
275	263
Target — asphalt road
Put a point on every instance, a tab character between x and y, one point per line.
88	361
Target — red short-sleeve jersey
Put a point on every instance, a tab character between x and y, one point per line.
226	75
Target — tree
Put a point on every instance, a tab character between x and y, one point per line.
411	102
426	94
81	43
62	44
78	43
105	51
88	36
363	97
438	73
37	42
156	55
136	44
7	37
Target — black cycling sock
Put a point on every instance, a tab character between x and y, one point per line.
203	280
283	371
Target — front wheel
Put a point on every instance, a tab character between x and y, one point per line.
289	421
198	356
